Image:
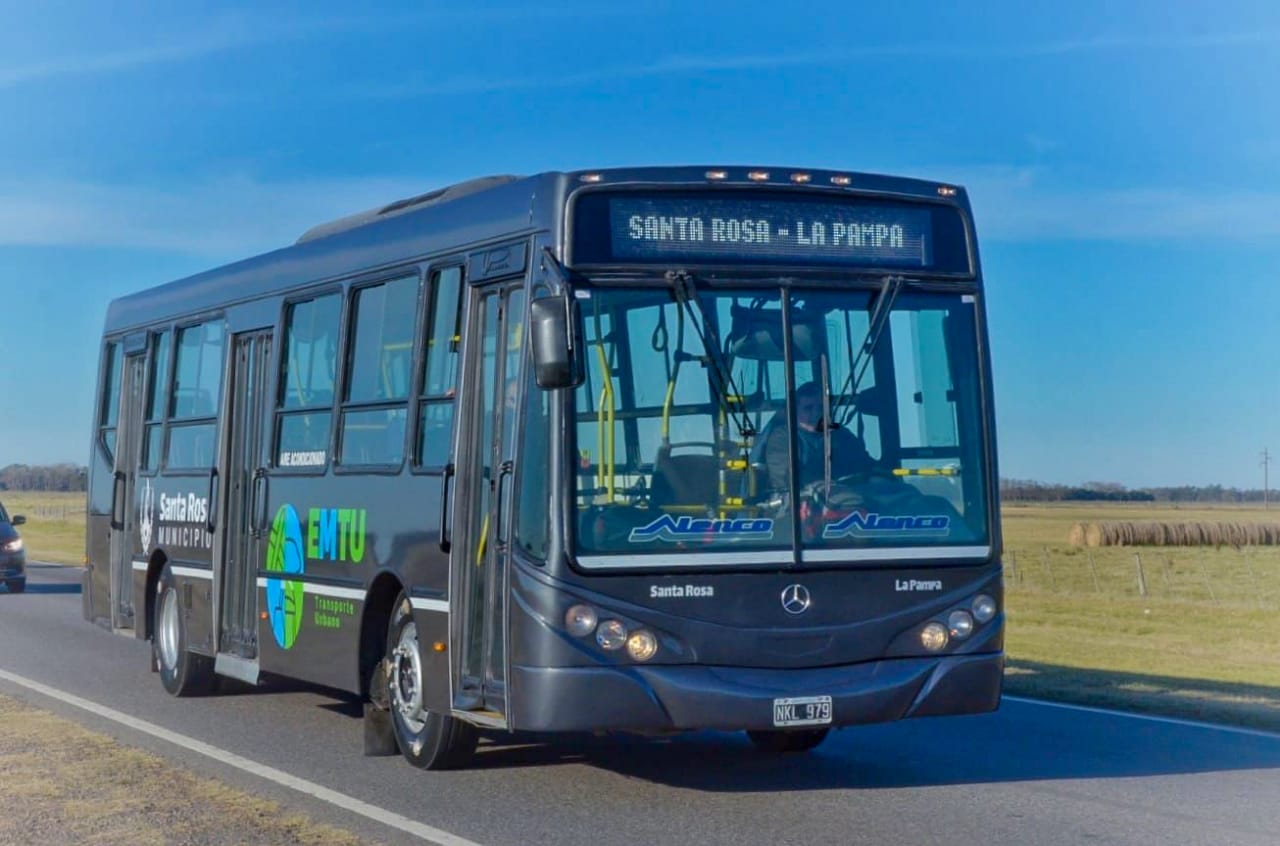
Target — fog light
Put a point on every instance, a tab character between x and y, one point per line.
933	636
960	624
580	620
984	608
611	635
642	645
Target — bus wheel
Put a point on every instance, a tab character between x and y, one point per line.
781	742
182	673
16	585
427	740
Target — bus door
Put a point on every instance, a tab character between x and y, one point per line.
486	460
124	511
244	482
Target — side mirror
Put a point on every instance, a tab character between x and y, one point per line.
17	520
557	342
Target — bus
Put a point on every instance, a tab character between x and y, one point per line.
644	450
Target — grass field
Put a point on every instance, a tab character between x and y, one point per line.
1079	628
1197	644
55	524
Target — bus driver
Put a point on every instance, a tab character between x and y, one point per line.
848	454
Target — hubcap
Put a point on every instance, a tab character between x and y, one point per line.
168	633
406	679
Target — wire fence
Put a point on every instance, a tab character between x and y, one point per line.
1245	576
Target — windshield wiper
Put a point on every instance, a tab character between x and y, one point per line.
731	400
881	306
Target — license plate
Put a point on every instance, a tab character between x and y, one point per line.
802	711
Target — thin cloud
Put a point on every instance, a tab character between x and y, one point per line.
231	217
676	65
1023	204
238	33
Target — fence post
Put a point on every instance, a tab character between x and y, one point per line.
1048	566
1204	574
1093	571
1142	577
1253	579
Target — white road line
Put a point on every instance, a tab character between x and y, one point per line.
324	794
1175	721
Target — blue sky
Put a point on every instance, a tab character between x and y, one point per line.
1122	160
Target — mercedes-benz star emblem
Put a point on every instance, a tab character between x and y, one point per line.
796	599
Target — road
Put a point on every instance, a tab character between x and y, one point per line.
1030	774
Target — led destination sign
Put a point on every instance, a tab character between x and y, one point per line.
763	229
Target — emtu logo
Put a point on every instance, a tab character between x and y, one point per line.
284	596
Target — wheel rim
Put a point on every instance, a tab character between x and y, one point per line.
406	679
168	633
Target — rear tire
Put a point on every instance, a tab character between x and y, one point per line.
183	673
16	585
428	740
786	742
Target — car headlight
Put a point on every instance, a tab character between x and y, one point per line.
12	546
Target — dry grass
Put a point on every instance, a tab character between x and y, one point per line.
66	785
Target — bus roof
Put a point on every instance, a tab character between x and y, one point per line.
456	216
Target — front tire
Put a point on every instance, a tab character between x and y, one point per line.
183	673
16	585
786	742
428	740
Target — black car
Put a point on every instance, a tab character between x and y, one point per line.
13	557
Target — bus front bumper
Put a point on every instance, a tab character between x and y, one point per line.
658	698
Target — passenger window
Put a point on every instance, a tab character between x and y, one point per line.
435	410
198	376
157	399
110	410
197	389
379	362
308	373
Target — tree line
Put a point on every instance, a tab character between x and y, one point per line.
1025	490
48	477
72	477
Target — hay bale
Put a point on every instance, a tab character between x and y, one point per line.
1161	533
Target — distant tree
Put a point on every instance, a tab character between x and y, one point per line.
53	477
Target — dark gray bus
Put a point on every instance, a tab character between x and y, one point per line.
644	450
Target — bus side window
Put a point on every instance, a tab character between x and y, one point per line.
376	398
157	401
197	388
435	408
110	399
307	375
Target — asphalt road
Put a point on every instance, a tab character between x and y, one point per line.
1029	774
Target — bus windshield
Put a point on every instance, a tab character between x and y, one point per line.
754	425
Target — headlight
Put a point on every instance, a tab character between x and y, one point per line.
984	608
960	624
933	637
580	620
13	545
612	635
642	645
